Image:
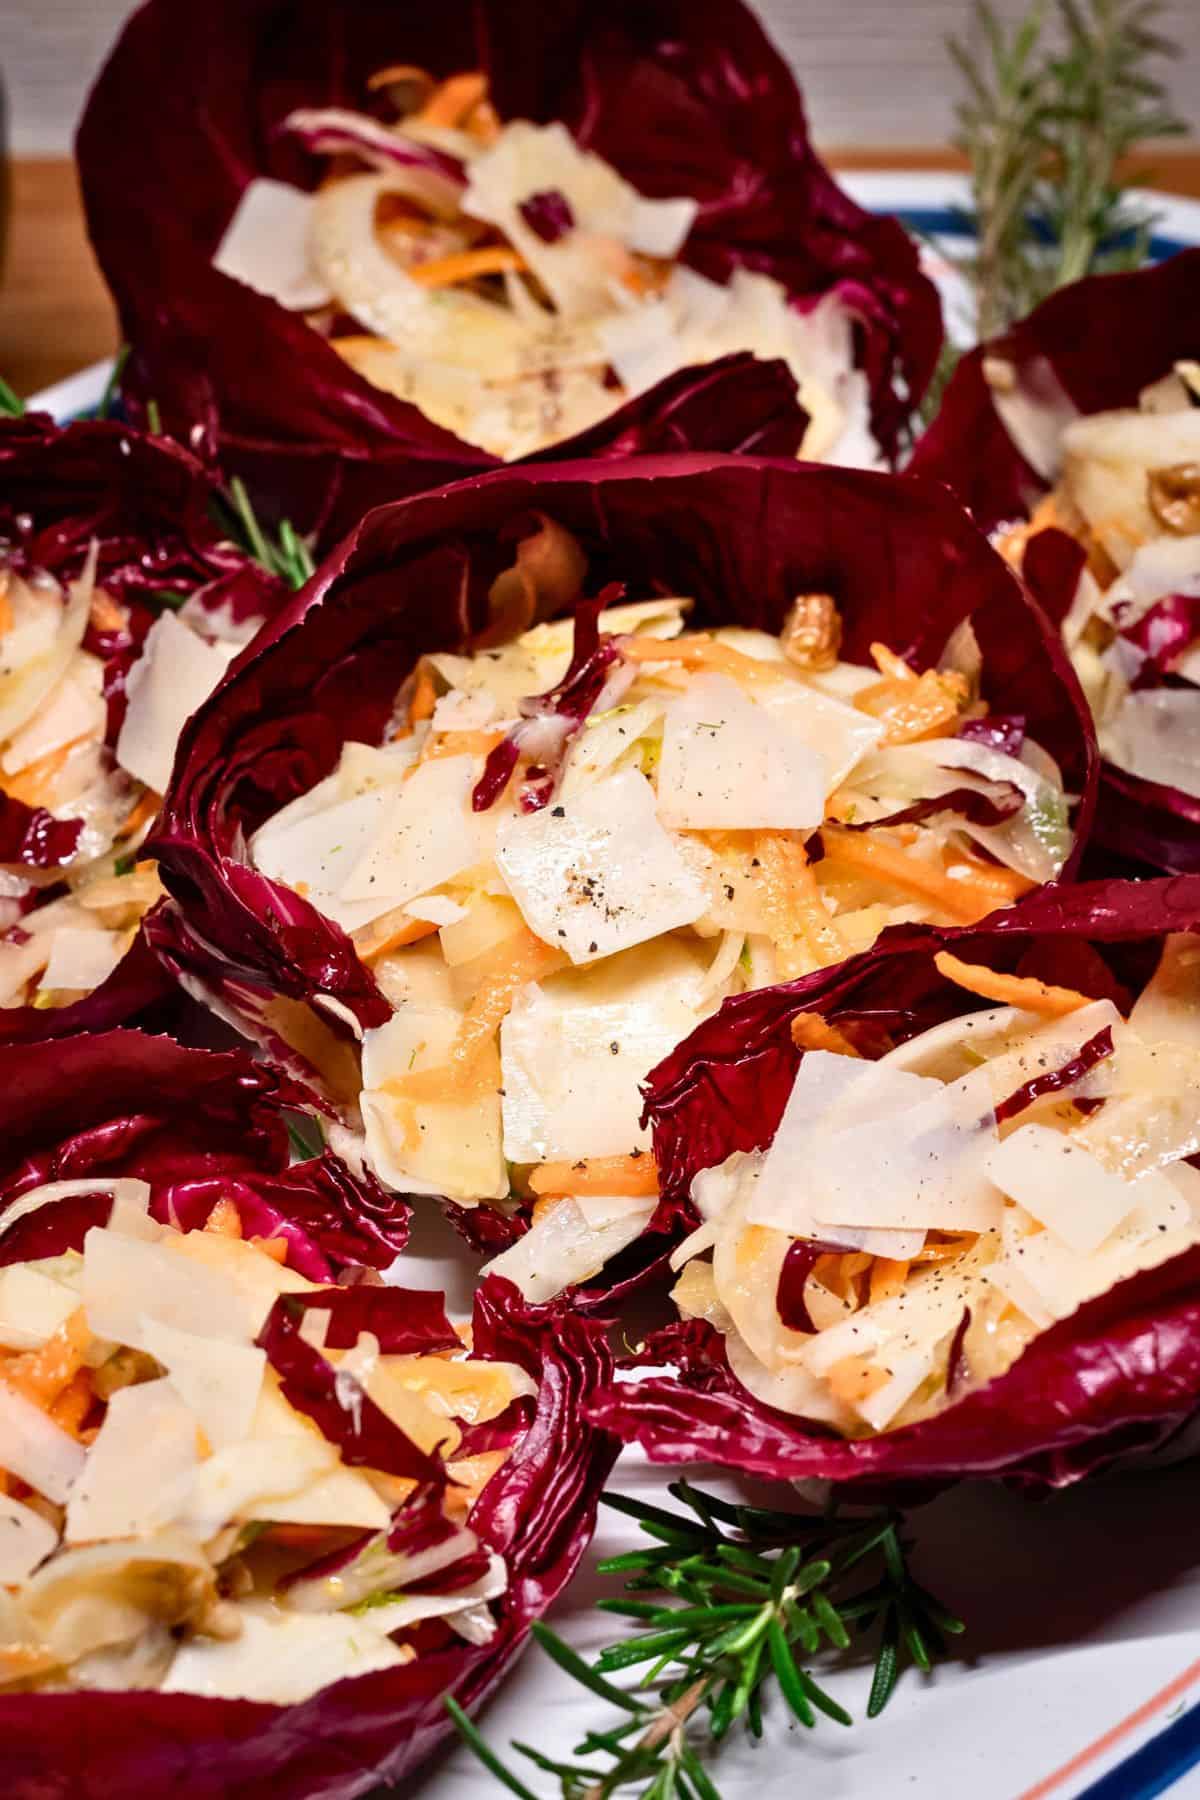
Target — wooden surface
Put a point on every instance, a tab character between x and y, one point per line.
55	315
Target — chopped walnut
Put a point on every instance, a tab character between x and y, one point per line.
1173	496
812	632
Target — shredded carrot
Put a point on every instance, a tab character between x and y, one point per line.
461	743
30	783
811	1032
1024	991
521	958
104	613
424	696
866	853
1045	514
1005	885
392	932
466	265
224	1219
701	652
274	1247
469	1476
891	665
74	1403
888	1276
803	931
141	813
913	708
453	99
854	1379
635	1176
7	616
42	1374
545	1203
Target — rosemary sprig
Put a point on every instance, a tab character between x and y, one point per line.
749	1598
1045	131
286	554
11	404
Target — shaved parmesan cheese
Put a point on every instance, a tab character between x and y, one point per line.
575	1050
1062	1185
175	672
459	711
32	1307
427	834
126	1282
562	1248
727	765
598	873
219	1382
450	1146
243	1482
315	852
138	1467
265	245
80	959
1168	1007
408	1609
35	1449
839	734
905	1375
281	1657
26	1539
1156	735
436	909
605	741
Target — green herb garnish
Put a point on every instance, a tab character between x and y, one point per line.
125	865
750	1599
287	556
11	404
112	388
154	418
305	1136
1046	132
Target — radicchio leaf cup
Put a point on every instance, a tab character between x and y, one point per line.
144	503
740	536
200	1128
1057	364
690	100
1118	1376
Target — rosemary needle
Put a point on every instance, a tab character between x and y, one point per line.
747	1597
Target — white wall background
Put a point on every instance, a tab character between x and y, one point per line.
874	71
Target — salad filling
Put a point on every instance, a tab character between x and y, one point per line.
923	1214
510	282
572	846
1128	494
220	1478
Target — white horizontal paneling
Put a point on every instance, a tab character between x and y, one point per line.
873	71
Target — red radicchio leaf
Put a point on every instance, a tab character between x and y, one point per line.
741	536
1122	1372
538	1512
570	701
1150	312
1002	802
407	1321
1163	634
198	1127
658	90
802	1258
336	1401
1054	1080
29	834
548	215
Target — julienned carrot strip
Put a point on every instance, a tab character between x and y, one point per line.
803	931
29	783
461	743
141	813
224	1220
104	613
521	958
864	852
74	1403
913	708
466	265
891	665
7	617
887	1278
811	1032
424	696
42	1374
633	1176
453	98
380	937
1004	884
701	652
274	1247
1023	991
